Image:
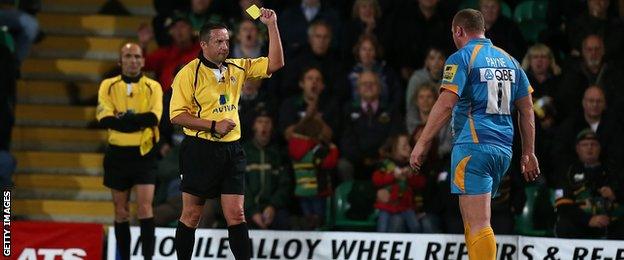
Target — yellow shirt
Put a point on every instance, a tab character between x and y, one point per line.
207	92
115	96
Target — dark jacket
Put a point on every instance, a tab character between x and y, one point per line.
363	134
267	183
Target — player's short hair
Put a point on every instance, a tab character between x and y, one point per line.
470	20
204	33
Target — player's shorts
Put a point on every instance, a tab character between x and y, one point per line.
124	167
209	169
478	168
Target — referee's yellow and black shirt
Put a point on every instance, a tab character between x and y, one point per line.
138	95
207	91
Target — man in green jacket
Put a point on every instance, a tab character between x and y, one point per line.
268	185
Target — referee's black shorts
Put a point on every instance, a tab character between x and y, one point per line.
124	167
210	169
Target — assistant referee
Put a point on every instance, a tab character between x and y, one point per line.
212	162
130	106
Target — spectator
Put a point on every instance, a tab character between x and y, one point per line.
545	136
197	12
368	123
423	100
432	202
396	184
248	41
431	72
316	54
596	20
296	20
367	52
542	70
365	19
252	101
295	109
594	118
23	26
559	16
314	160
591	70
428	23
501	30
589	206
165	63
267	183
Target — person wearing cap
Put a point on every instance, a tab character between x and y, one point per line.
590	203
167	60
204	101
594	116
267	182
130	106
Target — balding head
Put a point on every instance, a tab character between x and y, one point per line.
593	51
594	103
467	24
131	59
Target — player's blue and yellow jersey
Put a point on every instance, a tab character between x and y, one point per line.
487	81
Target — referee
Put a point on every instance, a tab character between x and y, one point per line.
212	162
130	106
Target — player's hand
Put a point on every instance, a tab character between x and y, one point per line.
418	157
257	218
599	221
268	16
607	193
224	126
529	167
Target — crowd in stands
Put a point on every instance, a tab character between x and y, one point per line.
360	79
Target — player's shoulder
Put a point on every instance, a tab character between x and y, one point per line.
151	82
238	62
110	81
191	66
461	56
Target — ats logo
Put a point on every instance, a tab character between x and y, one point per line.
223	100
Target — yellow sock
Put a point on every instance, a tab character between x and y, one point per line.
482	245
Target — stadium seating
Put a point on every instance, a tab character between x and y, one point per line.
474	4
524	221
531	18
59	152
336	211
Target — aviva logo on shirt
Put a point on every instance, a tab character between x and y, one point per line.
223	100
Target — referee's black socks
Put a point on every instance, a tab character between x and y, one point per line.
238	236
147	237
184	241
122	235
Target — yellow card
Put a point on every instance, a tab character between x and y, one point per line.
253	11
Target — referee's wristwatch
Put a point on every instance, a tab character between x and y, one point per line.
213	130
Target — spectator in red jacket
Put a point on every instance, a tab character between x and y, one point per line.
314	160
396	182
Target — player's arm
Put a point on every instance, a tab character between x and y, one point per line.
438	118
180	107
453	82
276	53
526	122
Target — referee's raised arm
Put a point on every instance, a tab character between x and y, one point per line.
276	53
